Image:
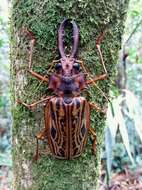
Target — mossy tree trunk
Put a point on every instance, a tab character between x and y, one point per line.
43	18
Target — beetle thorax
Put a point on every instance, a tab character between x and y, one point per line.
69	84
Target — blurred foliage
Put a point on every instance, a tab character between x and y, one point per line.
123	133
5	116
132	39
124	128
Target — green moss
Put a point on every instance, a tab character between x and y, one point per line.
43	19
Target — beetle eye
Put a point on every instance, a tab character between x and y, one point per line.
76	66
58	66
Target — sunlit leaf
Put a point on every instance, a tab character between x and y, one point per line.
116	119
123	131
134	111
111	121
108	149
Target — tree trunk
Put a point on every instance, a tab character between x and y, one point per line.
43	18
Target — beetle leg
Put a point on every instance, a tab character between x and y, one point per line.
43	134
100	77
49	67
30	106
103	76
93	80
55	61
31	44
83	66
92	132
96	107
40	136
98	41
38	76
30	35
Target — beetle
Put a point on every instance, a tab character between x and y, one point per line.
66	112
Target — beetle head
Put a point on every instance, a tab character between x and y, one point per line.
67	80
67	62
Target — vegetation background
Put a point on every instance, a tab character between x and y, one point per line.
122	152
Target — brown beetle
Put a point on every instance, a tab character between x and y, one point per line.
66	113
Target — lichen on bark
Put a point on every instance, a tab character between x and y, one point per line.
43	19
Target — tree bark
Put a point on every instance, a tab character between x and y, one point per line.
43	19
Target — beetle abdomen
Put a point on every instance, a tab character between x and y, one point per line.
67	126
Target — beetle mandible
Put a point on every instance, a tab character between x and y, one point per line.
66	113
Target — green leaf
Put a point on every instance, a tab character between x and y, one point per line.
116	119
122	126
